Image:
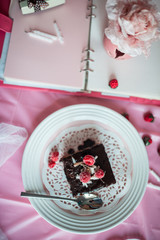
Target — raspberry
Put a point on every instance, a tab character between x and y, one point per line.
126	115
99	173
89	160
113	83
54	156
85	177
147	140
51	164
148	117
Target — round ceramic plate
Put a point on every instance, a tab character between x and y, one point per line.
48	130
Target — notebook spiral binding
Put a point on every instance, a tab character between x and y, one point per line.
88	50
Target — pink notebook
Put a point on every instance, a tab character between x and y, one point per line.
36	63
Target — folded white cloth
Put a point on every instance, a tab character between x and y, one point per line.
11	138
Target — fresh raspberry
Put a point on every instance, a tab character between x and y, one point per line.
85	177
113	83
89	160
99	173
54	156
148	117
147	140
51	164
126	115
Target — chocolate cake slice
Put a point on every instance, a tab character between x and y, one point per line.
88	170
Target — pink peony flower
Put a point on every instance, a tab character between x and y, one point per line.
132	25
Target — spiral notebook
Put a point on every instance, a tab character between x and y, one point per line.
80	63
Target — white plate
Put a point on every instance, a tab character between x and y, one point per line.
48	130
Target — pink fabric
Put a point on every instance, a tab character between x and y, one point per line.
18	219
4	5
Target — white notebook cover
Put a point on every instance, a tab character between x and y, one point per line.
32	62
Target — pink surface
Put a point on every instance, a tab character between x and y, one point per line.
5	23
18	219
4	5
45	60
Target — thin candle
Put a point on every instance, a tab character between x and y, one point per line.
45	34
34	35
58	33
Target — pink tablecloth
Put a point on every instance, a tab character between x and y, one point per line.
19	220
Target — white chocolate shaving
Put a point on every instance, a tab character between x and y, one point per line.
58	32
94	178
73	160
92	170
86	184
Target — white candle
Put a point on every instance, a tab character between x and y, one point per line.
45	34
58	33
155	175
34	35
153	186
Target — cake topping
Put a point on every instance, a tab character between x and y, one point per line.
89	160
85	177
89	143
73	160
99	173
113	83
81	177
148	117
90	171
51	164
71	151
86	144
54	156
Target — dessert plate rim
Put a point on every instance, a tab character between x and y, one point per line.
32	179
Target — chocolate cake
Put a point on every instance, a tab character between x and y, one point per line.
88	169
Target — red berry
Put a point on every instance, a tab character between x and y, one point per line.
113	83
89	160
150	141
126	115
149	117
51	164
54	156
147	140
85	177
99	173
